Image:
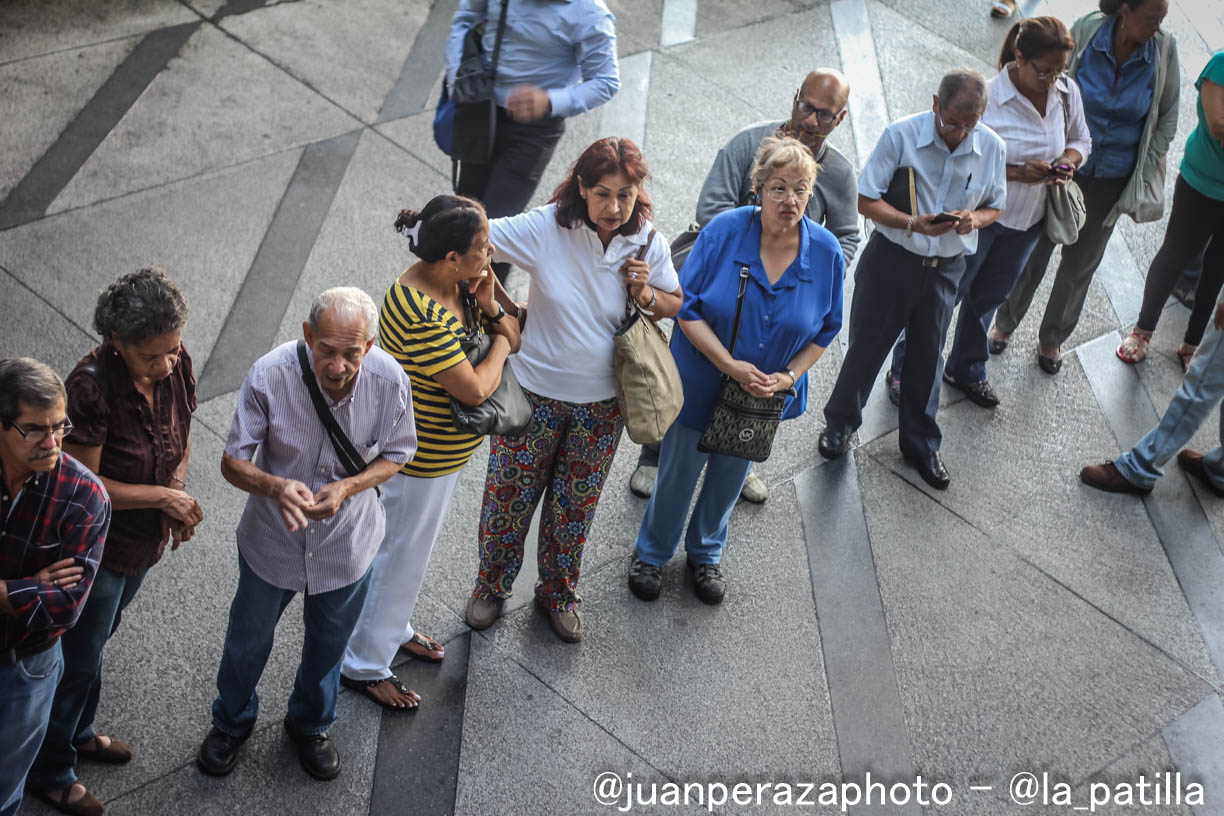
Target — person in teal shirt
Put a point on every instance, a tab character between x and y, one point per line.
1197	221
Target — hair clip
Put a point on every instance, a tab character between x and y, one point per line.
413	234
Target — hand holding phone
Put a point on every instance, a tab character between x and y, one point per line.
945	218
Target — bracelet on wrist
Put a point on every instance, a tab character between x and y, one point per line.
174	478
497	317
654	298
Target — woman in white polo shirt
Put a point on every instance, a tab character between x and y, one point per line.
581	251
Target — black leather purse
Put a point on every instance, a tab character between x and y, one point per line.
506	412
475	115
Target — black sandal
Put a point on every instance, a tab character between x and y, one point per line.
364	686
427	644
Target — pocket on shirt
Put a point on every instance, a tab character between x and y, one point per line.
971	198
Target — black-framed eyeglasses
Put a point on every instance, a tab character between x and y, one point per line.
823	116
955	127
38	433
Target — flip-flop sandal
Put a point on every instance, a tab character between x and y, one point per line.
365	686
422	646
1002	8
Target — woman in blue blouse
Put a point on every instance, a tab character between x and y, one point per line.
792	311
1129	79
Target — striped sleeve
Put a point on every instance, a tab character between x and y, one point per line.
415	332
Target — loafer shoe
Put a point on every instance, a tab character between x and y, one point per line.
1107	477
708	582
218	753
979	393
641	483
1050	365
1191	462
754	490
566	623
834	444
644	579
481	612
316	752
931	469
893	384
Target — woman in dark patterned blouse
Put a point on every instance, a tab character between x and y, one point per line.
130	401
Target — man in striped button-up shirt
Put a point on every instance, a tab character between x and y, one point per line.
308	526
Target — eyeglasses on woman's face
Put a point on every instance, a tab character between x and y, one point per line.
779	192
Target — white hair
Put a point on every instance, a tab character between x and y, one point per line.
345	303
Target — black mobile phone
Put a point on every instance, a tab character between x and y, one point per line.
945	217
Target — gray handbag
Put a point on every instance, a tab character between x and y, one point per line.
506	412
742	425
1065	210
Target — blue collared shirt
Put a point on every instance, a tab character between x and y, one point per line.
1116	102
778	321
968	178
566	47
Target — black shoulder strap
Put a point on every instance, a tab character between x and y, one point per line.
345	452
739	308
91	369
501	29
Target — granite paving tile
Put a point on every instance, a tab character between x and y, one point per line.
33	27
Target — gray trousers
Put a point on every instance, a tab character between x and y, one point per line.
1079	263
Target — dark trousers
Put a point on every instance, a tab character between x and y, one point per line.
1079	263
521	151
990	274
1195	220
76	697
894	291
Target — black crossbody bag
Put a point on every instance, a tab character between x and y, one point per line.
349	458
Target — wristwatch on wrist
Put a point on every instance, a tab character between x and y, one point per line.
500	314
909	227
654	298
794	378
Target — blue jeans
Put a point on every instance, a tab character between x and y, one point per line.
26	690
257	607
76	698
1199	394
680	465
990	274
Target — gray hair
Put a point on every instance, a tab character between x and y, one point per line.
776	153
964	89
138	306
345	303
26	381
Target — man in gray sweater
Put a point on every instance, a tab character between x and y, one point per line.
818	108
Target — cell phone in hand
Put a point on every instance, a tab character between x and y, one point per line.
1060	169
945	217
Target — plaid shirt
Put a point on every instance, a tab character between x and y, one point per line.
60	514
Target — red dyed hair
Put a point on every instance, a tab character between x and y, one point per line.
605	157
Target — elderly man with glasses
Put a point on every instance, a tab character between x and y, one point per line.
54	515
818	107
909	273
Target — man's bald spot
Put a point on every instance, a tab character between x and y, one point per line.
831	81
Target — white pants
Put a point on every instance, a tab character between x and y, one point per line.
415	510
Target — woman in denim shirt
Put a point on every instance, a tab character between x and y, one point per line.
1128	73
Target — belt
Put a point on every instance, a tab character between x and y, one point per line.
10	656
934	261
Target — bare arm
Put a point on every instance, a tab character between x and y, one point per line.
885	214
1213	109
177	504
292	497
472	386
328	500
781	380
706	341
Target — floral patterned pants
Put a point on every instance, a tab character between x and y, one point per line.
564	457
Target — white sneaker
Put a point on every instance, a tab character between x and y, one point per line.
754	490
641	483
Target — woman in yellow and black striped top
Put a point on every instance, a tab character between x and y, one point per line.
421	326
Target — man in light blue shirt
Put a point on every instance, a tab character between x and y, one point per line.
908	274
558	59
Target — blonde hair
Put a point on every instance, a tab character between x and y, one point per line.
777	152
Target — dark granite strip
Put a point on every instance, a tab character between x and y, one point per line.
871	730
417	768
1183	528
238	7
48	177
411	91
253	320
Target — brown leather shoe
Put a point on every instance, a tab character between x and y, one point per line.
1191	462
87	805
567	624
1107	477
113	752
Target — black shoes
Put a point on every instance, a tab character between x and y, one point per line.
834	444
218	753
316	753
931	468
708	581
644	579
979	393
893	384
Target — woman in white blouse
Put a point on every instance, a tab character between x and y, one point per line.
1039	114
581	251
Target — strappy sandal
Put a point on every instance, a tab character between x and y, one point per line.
422	647
1185	354
364	687
1135	347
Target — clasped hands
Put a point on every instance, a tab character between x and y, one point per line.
756	382
298	505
